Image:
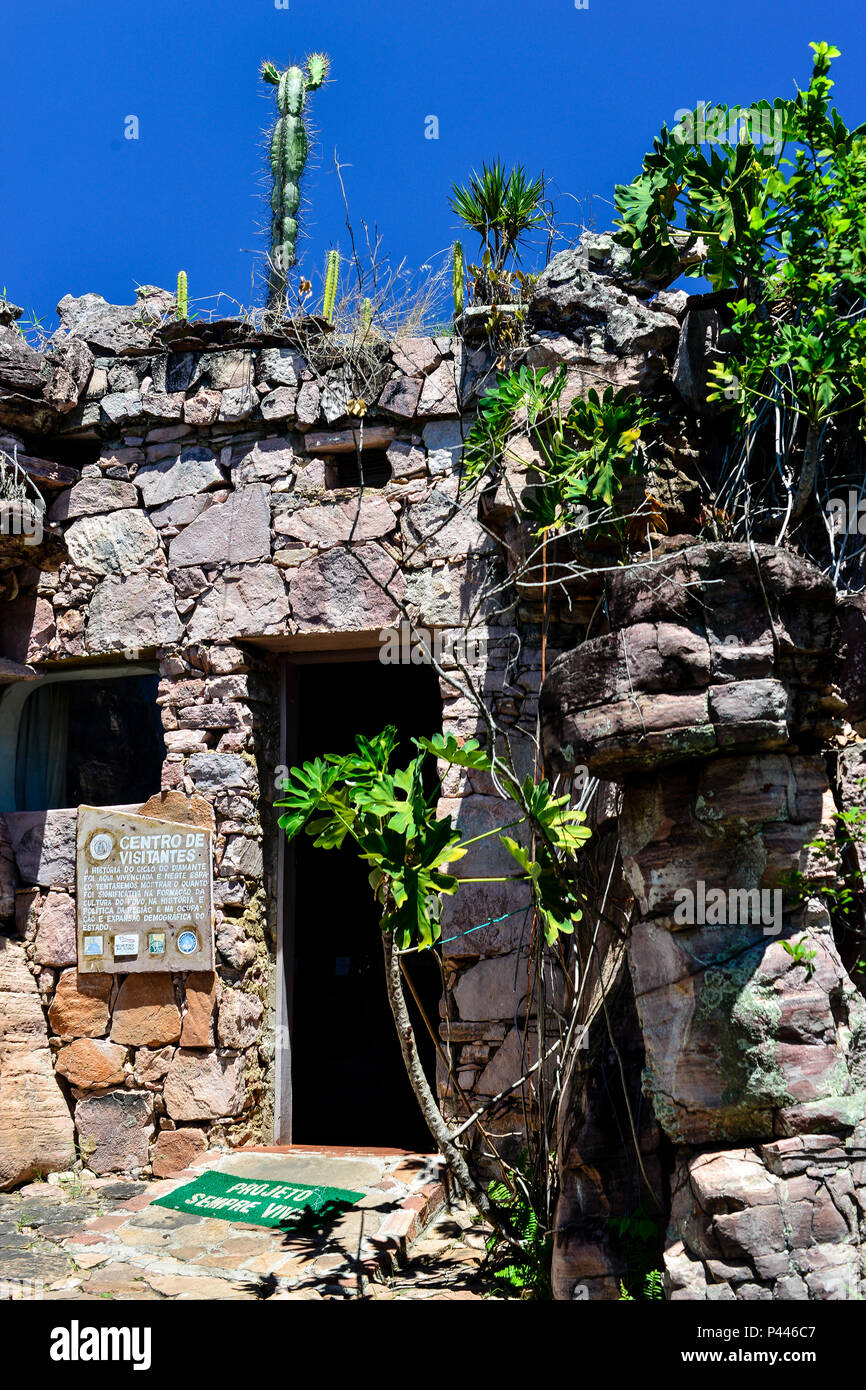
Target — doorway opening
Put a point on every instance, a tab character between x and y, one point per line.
349	1085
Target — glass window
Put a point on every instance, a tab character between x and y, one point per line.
92	740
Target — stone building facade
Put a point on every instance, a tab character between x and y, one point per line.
207	535
210	536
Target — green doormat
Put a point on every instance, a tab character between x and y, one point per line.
261	1202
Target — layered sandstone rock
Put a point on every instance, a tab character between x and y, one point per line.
708	701
36	1130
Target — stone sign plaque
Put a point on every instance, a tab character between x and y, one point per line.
144	895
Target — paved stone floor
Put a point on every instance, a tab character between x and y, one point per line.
84	1237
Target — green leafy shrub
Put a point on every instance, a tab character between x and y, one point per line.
781	226
502	207
584	456
393	823
844	895
526	1269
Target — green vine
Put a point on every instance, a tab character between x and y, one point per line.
583	457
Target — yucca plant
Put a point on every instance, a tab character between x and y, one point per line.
501	207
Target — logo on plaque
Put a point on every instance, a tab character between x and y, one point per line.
144	896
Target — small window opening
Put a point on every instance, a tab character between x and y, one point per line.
341	470
94	741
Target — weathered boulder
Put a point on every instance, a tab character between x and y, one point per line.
215	772
145	1013
92	1064
443	440
756	1227
240	1019
114	1130
234	532
571	290
235	948
204	1087
246	601
132	612
737	1033
341	590
92	497
28	627
120	542
706	701
697	663
56	940
279	366
80	1006
176	1149
494	988
43	843
201	994
104	327
193	470
332	524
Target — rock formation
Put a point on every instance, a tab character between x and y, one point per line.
709	701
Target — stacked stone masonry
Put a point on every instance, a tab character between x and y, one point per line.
208	526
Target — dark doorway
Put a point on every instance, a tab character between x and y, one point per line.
349	1085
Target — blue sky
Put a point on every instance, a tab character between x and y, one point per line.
579	93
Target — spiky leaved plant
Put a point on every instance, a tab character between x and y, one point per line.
288	161
182	297
332	275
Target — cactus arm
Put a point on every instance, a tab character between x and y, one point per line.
288	158
458	277
182	297
332	275
317	70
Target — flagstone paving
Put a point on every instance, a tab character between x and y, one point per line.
85	1237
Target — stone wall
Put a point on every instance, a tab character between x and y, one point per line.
210	517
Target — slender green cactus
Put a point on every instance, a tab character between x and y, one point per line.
366	315
182	296
459	272
332	275
288	161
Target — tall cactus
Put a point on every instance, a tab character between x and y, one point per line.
458	273
288	161
332	275
182	297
